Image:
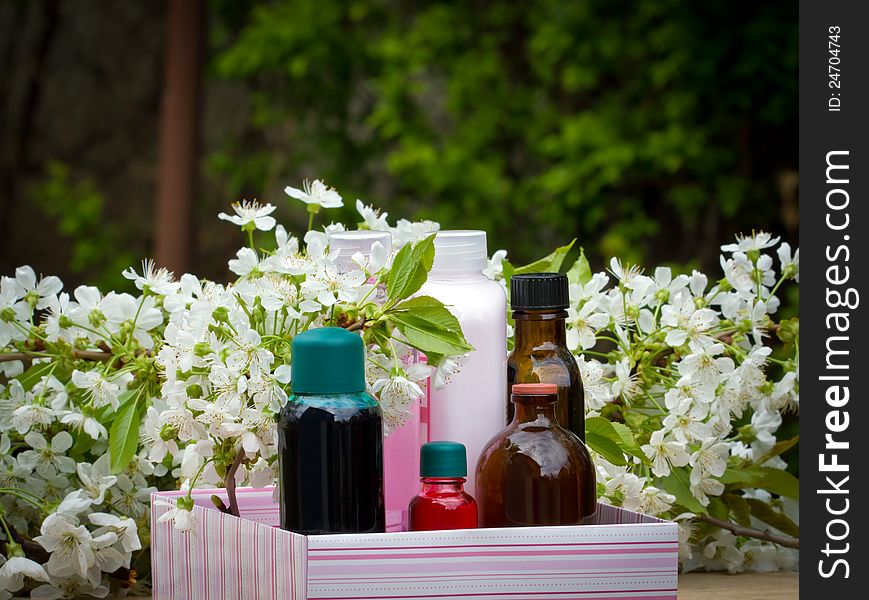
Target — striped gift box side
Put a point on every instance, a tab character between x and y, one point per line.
625	555
620	555
226	558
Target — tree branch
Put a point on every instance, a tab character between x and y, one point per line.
82	354
229	482
33	550
357	325
782	540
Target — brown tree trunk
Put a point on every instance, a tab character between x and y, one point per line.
179	134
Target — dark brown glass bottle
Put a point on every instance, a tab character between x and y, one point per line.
540	354
535	472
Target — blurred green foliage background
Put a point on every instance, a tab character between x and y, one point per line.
652	130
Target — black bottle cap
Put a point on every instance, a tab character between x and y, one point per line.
539	291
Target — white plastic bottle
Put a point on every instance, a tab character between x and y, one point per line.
470	408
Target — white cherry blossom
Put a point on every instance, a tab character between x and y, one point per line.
48	458
747	243
99	390
316	193
70	545
251	215
16	569
157	280
373	218
95	478
35	292
583	325
663	453
182	518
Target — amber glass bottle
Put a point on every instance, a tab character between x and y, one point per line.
535	472
540	354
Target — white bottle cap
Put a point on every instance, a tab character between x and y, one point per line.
348	243
460	250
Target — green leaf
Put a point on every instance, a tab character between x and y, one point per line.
107	414
764	512
780	448
739	508
778	482
580	271
746	475
431	309
617	433
124	435
34	375
508	271
433	359
678	484
605	447
717	508
410	269
548	264
428	335
82	444
602	427
772	480
628	443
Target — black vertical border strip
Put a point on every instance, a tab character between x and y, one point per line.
823	131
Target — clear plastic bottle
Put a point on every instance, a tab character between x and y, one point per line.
330	444
470	408
442	503
535	472
348	243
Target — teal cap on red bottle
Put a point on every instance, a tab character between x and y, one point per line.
328	360
443	459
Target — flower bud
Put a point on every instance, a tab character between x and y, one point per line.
96	318
220	314
167	432
789	330
202	349
747	433
13	549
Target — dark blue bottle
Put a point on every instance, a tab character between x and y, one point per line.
329	439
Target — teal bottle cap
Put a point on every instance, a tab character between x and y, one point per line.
329	360
443	459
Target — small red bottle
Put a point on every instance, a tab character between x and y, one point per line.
443	502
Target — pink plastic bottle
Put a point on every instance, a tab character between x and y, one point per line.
400	445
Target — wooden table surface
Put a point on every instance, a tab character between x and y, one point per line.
754	586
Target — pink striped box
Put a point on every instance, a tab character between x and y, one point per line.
621	556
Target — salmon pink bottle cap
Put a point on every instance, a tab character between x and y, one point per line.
534	389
